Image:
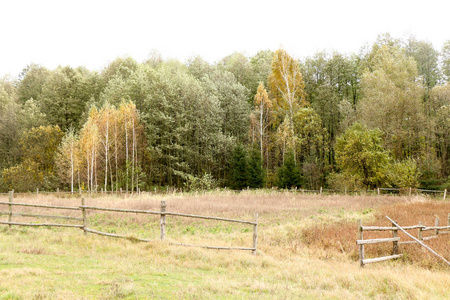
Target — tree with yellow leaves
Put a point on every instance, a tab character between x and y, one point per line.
263	108
287	89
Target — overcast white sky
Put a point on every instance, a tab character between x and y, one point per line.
92	33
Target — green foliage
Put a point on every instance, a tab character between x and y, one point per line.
392	101
24	177
344	182
359	153
40	145
255	170
194	114
37	170
238	169
288	175
204	183
404	174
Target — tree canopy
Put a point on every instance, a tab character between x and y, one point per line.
377	117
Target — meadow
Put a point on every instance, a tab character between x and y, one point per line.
306	249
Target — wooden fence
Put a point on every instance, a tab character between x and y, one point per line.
321	191
84	226
395	239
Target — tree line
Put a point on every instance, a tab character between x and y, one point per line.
376	118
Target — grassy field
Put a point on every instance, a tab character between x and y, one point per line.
306	249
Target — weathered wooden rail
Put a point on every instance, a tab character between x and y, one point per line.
395	239
84	226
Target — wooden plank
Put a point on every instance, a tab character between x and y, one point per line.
425	246
386	228
361	246
407	242
116	235
429	238
378	259
168	214
429	191
83	214
41	216
212	247
122	210
40	205
11	196
255	234
375	241
420	232
395	243
210	218
41	224
436	228
163	220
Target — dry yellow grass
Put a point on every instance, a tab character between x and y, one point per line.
291	262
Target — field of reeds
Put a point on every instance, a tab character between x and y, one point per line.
306	249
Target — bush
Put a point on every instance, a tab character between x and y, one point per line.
203	183
342	182
404	174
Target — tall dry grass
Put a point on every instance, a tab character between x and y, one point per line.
340	236
302	253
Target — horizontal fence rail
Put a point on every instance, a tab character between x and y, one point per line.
84	226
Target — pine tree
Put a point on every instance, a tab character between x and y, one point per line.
239	171
255	170
288	175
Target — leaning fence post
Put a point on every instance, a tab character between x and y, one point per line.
361	246
83	210
436	224
394	243
11	196
163	219
255	234
419	235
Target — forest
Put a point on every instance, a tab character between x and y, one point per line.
379	117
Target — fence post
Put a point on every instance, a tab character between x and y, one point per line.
361	247
321	191
448	220
409	191
378	191
419	235
395	243
436	224
255	234
163	219
37	190
11	196
445	193
83	211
